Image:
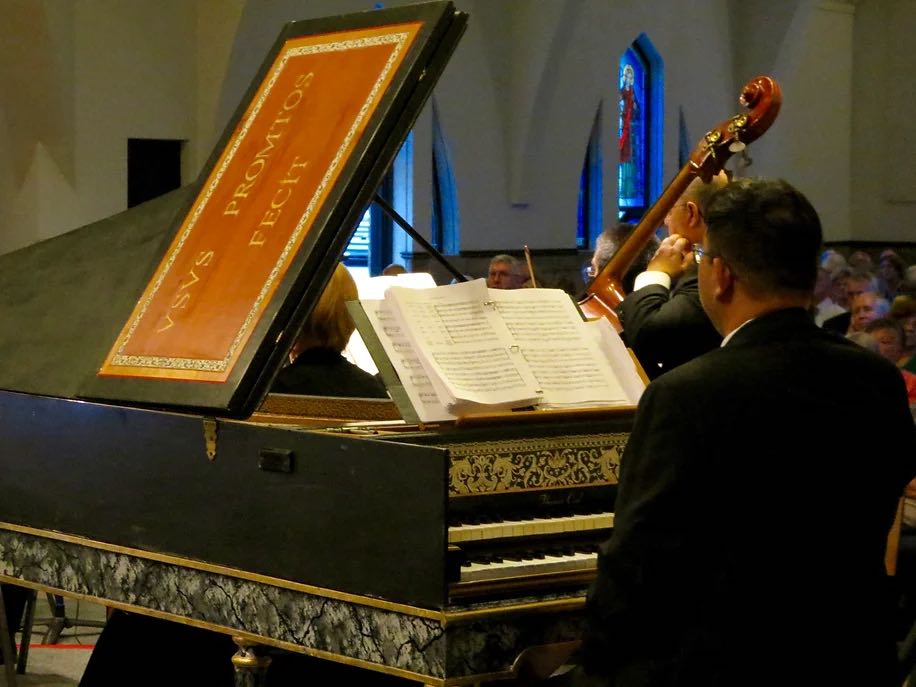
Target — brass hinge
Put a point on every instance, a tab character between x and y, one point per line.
210	429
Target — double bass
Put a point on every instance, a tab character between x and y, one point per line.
762	97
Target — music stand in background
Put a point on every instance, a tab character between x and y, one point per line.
58	621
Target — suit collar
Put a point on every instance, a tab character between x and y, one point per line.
779	324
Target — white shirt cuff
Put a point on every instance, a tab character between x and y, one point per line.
649	278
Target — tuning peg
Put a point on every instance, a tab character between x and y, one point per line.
735	126
737	145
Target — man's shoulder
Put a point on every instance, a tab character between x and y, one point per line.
824	351
705	368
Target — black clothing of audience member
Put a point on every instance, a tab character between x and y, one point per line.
325	372
663	321
318	368
723	568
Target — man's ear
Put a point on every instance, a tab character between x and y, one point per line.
724	280
695	218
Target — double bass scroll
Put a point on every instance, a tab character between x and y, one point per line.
762	96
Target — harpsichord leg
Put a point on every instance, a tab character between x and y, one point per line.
250	668
6	647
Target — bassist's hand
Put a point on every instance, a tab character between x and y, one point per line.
673	257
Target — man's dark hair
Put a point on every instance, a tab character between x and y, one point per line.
768	232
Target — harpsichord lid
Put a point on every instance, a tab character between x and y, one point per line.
191	301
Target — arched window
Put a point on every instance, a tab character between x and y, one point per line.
377	240
445	220
371	247
637	124
640	107
589	215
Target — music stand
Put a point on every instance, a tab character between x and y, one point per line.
58	621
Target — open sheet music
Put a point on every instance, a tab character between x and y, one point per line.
463	349
373	288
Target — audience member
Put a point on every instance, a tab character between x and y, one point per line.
908	287
861	261
665	325
904	311
866	341
890	271
869	341
609	241
506	272
317	366
720	570
867	307
825	307
888	333
839	280
393	270
856	284
832	261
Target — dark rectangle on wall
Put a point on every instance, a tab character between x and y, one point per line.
153	168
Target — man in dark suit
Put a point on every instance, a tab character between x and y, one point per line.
663	321
748	544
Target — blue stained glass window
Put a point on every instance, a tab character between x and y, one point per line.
357	252
639	97
632	113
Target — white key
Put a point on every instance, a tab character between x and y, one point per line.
524	528
476	572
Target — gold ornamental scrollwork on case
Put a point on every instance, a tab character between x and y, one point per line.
541	463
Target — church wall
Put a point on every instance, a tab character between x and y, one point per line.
516	102
883	141
86	76
131	84
519	96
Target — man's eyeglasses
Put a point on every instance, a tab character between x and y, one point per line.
699	252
